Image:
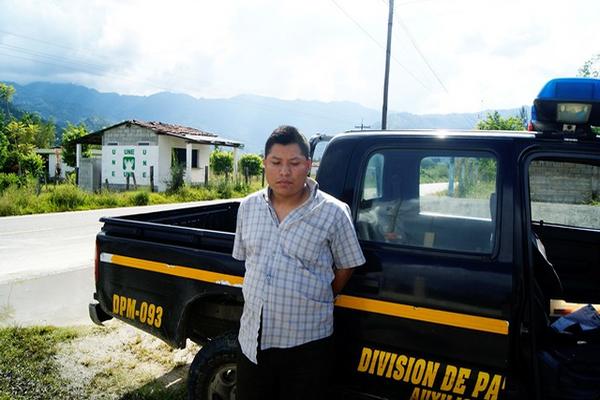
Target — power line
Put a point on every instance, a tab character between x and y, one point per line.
416	46
379	44
414	43
36	40
52	57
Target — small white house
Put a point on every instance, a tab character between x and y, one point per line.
145	151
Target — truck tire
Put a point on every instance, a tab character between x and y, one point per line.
212	375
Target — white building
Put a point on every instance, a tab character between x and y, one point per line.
145	151
54	167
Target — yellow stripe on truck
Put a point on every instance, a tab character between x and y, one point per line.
176	270
424	314
448	318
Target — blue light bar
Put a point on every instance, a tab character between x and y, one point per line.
567	105
571	90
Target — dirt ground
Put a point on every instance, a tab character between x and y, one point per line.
112	361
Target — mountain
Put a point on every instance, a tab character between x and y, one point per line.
246	118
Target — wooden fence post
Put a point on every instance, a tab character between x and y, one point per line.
152	178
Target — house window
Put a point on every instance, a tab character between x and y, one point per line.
112	143
180	156
143	143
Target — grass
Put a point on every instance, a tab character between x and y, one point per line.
25	199
27	370
114	362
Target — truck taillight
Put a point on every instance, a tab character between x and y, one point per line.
97	262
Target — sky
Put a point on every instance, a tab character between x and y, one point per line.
447	55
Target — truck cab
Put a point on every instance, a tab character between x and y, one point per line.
476	243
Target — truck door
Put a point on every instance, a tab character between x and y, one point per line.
562	202
428	316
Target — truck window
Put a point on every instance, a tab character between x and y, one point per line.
373	178
317	155
565	193
436	201
460	187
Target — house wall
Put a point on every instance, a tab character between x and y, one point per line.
123	156
129	136
89	174
165	146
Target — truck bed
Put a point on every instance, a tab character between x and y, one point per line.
177	261
209	227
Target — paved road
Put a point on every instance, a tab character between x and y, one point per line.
46	264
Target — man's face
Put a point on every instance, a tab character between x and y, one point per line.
286	169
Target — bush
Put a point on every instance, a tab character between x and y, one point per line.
221	162
68	197
7	180
141	198
32	164
8	206
16	200
251	165
106	199
176	182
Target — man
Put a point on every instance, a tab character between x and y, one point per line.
299	246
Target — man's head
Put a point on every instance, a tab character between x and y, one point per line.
285	135
286	162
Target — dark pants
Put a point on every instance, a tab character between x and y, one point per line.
301	372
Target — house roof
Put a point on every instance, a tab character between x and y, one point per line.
160	128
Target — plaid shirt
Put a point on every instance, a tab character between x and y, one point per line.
289	268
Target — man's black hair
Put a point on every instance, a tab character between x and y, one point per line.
286	134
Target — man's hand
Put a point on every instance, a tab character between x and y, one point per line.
341	278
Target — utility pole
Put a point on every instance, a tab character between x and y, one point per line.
387	66
362	126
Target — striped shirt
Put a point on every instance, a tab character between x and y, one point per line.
289	268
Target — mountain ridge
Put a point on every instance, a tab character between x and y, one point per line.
247	118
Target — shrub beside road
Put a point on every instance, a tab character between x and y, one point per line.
28	198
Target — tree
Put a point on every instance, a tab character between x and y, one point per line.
523	115
69	135
494	122
221	162
6	94
590	68
251	164
20	137
3	150
45	135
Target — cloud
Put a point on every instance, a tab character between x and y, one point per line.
494	53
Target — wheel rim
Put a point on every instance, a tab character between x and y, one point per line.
222	383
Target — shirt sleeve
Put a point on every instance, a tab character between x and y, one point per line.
344	244
239	249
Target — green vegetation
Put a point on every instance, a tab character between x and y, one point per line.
70	134
590	68
19	196
432	172
27	370
495	122
251	165
176	183
221	162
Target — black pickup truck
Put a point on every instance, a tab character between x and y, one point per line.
476	242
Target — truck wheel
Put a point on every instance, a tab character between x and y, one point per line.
212	374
